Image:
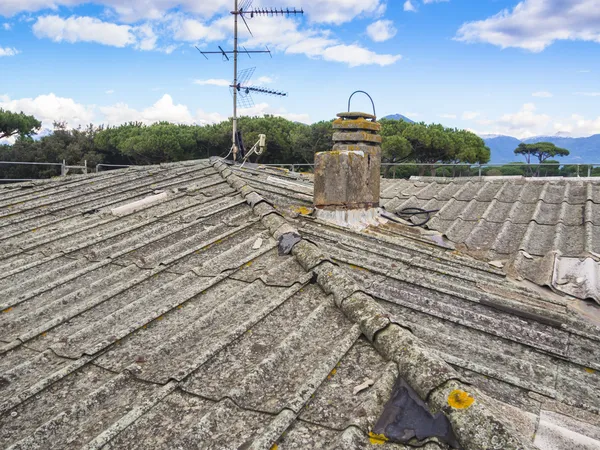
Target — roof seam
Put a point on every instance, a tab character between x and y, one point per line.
431	377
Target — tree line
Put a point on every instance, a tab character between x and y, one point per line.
288	142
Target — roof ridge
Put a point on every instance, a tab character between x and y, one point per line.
471	413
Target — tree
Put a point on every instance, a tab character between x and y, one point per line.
12	124
540	150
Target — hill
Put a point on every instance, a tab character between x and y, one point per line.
583	150
398	117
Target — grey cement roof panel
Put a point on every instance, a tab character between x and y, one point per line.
538	216
218	309
184	421
337	401
33	413
578	386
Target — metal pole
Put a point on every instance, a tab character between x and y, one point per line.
235	55
589	170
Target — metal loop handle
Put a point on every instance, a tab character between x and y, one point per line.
363	92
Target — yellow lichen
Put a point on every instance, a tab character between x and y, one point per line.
275	447
588	370
304	210
331	374
460	399
9	309
377	439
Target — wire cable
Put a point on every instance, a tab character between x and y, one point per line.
408	213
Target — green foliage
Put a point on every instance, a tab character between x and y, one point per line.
540	150
12	124
287	143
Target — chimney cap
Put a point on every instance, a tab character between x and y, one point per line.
356	115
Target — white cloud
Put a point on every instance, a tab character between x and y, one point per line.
535	24
264	80
213	82
90	29
354	55
7	51
279	33
163	109
448	116
283	34
7	26
579	126
50	108
322	11
192	30
588	94
542	94
584	71
382	30
408	6
109	92
528	122
470	115
84	29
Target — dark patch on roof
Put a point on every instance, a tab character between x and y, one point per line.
406	417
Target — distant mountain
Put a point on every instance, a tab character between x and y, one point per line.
583	150
399	117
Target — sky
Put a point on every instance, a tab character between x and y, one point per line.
522	69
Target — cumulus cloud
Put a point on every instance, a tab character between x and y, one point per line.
528	122
354	55
284	34
322	11
83	29
588	94
542	94
408	6
7	26
109	92
213	82
7	51
163	109
535	24
264	80
278	33
448	116
50	108
382	30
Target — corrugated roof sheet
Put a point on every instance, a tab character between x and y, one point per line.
528	348
525	222
171	327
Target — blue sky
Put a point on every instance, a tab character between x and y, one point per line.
493	66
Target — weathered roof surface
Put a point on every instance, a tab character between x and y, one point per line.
528	348
151	308
536	226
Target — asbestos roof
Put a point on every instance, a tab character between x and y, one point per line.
545	230
151	308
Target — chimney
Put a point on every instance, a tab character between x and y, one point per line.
347	178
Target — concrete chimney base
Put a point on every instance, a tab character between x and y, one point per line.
357	219
348	178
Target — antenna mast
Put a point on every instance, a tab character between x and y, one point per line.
246	11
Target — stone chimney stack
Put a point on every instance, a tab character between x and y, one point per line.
347	178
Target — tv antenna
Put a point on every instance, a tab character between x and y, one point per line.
243	9
244	91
